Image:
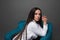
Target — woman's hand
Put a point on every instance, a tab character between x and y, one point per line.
44	19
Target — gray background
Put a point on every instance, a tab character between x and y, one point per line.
12	11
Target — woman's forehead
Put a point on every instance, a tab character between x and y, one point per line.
37	11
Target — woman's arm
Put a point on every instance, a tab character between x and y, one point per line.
37	29
49	33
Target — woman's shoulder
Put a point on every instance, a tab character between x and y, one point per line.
31	23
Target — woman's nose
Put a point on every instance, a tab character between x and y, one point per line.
38	16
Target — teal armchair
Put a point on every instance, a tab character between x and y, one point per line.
10	35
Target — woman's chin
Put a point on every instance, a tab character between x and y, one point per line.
37	20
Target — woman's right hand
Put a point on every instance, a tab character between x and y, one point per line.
44	19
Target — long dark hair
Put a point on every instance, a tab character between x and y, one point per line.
32	13
31	17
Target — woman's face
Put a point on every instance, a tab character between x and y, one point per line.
37	15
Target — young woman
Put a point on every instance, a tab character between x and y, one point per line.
35	27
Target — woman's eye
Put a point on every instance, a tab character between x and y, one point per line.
35	13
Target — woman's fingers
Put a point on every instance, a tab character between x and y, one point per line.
44	18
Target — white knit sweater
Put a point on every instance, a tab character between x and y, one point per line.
33	30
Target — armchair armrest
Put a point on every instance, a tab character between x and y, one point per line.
49	33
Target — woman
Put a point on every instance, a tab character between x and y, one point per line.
34	28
